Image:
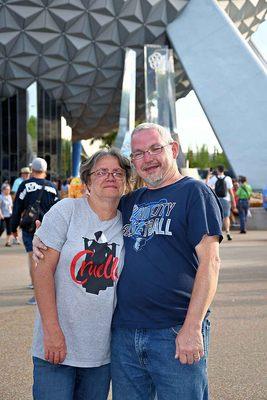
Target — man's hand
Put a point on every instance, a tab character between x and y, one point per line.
37	246
55	349
189	345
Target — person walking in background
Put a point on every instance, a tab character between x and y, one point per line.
234	213
30	191
223	187
6	205
244	193
64	189
76	188
24	174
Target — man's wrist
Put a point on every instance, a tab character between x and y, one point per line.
194	323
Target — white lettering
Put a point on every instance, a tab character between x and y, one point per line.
170	207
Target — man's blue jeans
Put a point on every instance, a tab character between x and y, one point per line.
63	382
143	365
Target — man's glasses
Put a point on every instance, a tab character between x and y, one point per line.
153	150
104	173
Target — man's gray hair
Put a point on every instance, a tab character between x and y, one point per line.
87	166
164	133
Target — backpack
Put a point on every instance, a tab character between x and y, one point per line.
221	187
31	214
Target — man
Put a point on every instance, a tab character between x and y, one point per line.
172	230
27	194
24	174
223	187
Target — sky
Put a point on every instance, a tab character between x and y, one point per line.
193	126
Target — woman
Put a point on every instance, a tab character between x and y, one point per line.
75	285
234	212
244	193
64	189
6	206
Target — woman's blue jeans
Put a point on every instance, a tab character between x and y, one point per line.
243	206
143	365
63	382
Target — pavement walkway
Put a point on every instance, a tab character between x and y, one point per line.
237	361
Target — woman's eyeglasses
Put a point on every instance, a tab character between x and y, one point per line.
104	173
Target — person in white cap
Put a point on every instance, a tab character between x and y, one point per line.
25	173
34	190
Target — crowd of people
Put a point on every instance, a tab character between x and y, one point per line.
234	196
33	196
123	279
70	187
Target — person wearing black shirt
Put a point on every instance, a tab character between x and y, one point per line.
27	194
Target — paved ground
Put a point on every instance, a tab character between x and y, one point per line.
237	364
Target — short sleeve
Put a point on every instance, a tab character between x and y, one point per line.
204	215
15	186
211	182
229	182
55	224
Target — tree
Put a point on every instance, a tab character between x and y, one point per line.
202	159
65	158
32	126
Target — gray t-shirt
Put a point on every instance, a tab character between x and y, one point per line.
6	205
91	259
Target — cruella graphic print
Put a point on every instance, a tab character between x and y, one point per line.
96	266
147	220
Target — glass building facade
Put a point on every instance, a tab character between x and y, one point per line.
30	126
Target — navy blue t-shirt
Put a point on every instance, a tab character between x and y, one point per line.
28	192
161	229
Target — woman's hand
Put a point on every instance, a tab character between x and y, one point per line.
55	349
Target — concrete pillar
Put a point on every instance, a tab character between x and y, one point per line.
230	82
76	157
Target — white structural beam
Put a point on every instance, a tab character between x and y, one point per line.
230	82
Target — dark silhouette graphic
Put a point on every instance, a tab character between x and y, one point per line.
99	268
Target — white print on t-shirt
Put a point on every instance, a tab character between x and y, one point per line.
33	186
148	220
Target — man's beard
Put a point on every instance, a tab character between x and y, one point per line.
154	180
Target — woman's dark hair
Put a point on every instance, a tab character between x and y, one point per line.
242	179
88	165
